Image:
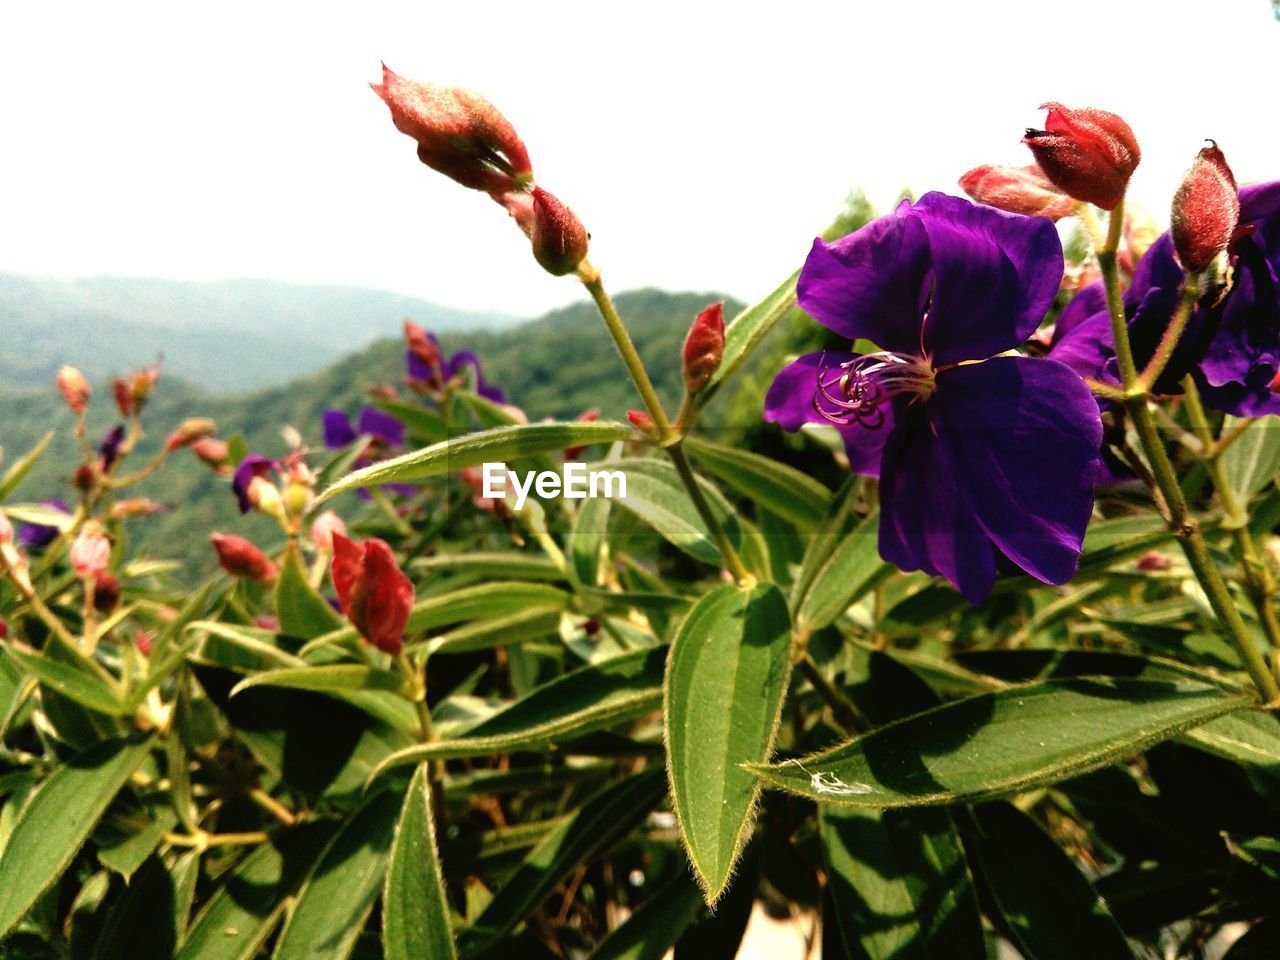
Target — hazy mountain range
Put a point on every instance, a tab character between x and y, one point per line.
228	335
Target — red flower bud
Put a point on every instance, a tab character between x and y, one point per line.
4	629
459	133
189	431
142	642
6	529
124	396
1023	190
372	591
106	593
74	388
704	348
1153	561
90	553
240	558
640	420
1088	154
85	478
559	239
1206	210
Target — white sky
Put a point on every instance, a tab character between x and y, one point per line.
703	144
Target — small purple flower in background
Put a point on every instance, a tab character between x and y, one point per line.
109	449
38	535
973	457
381	427
251	468
428	369
1231	345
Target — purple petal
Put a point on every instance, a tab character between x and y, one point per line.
382	425
465	358
1023	436
338	431
789	403
1088	303
110	446
1259	200
1088	349
872	284
995	275
38	535
417	368
250	467
925	523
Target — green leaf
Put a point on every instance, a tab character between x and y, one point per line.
997	744
244	909
534	623
57	819
415	913
1253	459
593	697
330	678
126	846
144	922
726	678
589	539
653	929
501	444
748	329
338	895
602	821
84	686
853	568
508	565
1048	905
900	884
656	495
1249	736
39	513
302	612
22	466
791	494
417	419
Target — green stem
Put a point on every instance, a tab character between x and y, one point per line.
1257	577
1172	334
1181	522
843	711
622	340
732	561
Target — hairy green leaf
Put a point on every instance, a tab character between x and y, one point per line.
791	494
302	612
853	568
656	495
415	913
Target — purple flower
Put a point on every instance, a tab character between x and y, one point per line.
110	447
423	371
973	457
250	467
382	427
1231	345
38	535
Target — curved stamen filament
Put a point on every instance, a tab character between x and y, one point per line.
856	390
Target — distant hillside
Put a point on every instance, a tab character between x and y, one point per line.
556	366
228	335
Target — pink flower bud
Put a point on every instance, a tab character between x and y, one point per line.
704	348
213	453
189	431
1088	154
372	591
559	239
135	507
142	642
1024	190
90	553
74	388
6	529
459	133
324	527
640	420
1206	210
242	559
1153	561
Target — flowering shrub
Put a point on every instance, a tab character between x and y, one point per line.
1008	683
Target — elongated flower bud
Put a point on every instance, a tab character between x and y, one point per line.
1206	210
641	420
704	348
189	431
559	239
242	559
6	529
123	392
90	553
106	593
1024	190
74	388
1088	154
373	592
459	133
213	453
